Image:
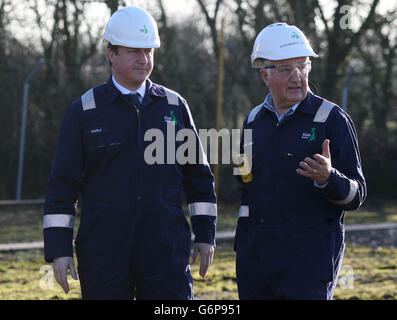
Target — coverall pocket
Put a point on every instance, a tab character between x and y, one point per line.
102	155
104	147
99	139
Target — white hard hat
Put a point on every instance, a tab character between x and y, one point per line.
132	27
280	41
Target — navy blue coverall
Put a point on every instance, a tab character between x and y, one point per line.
290	234
133	239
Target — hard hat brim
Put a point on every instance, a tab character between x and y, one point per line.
132	44
270	55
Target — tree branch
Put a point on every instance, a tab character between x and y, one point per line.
364	26
322	16
211	22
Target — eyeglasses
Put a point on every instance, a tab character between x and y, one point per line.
287	70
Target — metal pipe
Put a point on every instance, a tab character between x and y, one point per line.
345	90
23	127
219	99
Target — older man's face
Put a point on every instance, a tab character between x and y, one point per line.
287	82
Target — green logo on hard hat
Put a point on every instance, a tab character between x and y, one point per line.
144	30
295	35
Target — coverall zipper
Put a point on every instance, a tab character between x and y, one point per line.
138	130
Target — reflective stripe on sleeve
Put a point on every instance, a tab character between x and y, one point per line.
58	220
352	193
202	209
323	111
243	211
88	100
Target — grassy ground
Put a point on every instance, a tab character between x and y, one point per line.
366	274
373	212
24	224
20	224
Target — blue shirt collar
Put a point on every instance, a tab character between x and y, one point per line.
268	104
141	90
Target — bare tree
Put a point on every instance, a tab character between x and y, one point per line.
66	50
378	50
3	22
340	39
113	5
211	21
9	98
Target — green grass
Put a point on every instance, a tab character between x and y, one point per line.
220	281
374	212
374	271
21	224
375	274
20	276
25	223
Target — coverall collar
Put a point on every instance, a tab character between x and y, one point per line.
152	89
304	106
269	104
141	90
307	104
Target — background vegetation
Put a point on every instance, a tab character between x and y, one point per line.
67	34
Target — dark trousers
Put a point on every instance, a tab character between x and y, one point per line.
141	256
294	267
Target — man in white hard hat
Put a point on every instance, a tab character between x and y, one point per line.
133	240
306	171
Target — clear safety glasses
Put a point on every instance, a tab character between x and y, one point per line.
287	70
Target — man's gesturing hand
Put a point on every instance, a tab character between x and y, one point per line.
319	168
60	267
206	256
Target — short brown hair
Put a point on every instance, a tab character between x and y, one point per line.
114	48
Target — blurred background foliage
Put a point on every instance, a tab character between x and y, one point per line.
68	35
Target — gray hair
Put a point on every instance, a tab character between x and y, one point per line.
264	63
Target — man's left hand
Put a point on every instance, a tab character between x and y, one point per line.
206	256
319	168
